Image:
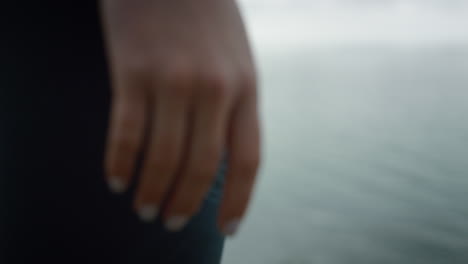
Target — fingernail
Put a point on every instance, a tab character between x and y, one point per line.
116	185
148	213
176	223
231	227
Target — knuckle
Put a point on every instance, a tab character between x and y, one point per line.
215	85
180	72
180	77
179	90
137	66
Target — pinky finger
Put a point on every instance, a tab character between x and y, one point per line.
243	160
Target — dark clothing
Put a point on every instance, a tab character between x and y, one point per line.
55	206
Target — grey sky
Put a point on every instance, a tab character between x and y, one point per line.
285	23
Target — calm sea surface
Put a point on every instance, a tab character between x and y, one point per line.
366	158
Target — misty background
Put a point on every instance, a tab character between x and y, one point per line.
365	106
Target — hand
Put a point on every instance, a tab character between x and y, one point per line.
184	91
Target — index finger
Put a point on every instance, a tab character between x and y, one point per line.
126	131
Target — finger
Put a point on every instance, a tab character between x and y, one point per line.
243	160
164	152
126	131
207	142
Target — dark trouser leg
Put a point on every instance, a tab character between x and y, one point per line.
54	204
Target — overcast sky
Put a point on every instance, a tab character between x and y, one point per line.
283	23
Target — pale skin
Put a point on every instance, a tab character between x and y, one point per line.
184	91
